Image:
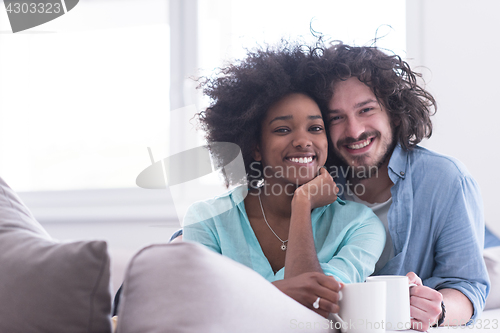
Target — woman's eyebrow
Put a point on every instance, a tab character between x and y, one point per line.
312	117
281	118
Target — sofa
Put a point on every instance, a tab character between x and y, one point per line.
50	286
45	285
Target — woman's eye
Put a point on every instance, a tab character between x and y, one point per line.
281	130
316	128
366	110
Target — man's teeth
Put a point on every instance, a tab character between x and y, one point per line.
360	145
301	159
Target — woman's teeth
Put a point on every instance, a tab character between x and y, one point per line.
301	159
360	145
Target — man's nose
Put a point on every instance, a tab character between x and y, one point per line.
354	128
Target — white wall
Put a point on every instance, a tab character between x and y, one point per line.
457	40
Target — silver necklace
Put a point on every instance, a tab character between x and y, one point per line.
283	246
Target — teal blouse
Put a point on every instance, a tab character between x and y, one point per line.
349	239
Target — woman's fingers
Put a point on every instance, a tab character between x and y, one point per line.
307	287
330	282
329	290
324	307
321	190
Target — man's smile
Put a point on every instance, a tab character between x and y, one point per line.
359	147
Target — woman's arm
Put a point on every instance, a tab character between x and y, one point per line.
304	279
301	256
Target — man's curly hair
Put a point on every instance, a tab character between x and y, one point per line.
241	94
392	81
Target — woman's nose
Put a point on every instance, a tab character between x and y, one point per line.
301	141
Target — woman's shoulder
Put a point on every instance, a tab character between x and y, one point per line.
209	209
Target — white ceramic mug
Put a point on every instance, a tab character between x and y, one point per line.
362	308
398	301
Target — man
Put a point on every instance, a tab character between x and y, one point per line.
430	204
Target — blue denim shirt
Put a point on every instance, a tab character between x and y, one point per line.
436	224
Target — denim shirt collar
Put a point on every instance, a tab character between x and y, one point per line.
398	164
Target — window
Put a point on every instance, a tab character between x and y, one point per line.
227	27
83	97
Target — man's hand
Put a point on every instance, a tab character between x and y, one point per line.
425	304
307	287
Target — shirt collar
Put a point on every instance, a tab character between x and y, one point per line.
398	163
238	194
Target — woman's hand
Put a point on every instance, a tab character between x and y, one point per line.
307	287
319	191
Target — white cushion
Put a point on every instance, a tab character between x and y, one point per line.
184	287
492	259
47	286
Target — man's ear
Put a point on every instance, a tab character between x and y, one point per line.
397	122
256	153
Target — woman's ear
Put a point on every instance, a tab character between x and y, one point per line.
256	153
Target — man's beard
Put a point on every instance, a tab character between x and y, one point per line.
363	170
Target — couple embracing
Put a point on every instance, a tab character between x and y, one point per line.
394	209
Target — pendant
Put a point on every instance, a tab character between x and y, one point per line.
283	247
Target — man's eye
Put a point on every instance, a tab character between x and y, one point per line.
335	118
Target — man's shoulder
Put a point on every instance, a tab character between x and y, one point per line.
353	213
427	160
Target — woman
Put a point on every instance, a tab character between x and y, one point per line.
289	228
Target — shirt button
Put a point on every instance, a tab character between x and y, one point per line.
402	173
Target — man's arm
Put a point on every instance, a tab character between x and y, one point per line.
459	308
458	260
459	277
426	305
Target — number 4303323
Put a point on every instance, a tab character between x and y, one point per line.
34	8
